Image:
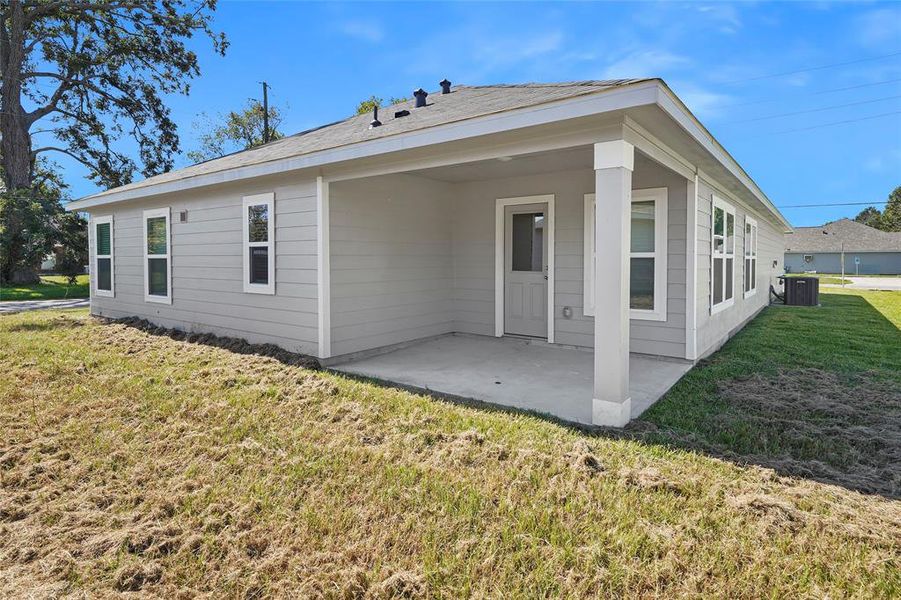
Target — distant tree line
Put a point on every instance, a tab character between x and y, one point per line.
888	219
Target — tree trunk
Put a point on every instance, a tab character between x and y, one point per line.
15	144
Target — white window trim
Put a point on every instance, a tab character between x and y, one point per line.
149	214
257	199
727	210
753	255
110	293
660	197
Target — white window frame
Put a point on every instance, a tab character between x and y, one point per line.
256	200
150	214
110	293
750	253
660	198
727	209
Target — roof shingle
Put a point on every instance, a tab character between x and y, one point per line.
857	237
464	102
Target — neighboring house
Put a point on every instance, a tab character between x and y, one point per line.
469	211
867	250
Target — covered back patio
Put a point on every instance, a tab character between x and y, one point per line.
475	277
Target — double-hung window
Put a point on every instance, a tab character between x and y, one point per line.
157	256
259	244
722	273
750	256
102	272
647	255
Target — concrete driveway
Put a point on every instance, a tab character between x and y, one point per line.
8	308
871	283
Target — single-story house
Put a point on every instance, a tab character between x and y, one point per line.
867	250
568	248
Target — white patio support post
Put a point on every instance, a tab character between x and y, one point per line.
323	268
613	164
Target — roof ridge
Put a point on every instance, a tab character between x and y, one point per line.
557	84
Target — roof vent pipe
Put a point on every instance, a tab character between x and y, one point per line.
420	95
445	86
375	118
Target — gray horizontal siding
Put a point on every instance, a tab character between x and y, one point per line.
391	265
714	329
207	268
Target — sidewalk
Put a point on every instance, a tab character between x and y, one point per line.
8	308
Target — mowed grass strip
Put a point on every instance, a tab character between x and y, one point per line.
136	462
51	287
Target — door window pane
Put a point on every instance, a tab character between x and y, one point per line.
718	215
156	235
643	226
104	274
641	283
103	239
528	242
258	223
157	283
259	265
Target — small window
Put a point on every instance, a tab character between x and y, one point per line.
750	245
157	256
102	273
647	256
722	273
808	258
259	244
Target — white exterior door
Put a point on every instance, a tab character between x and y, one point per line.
526	270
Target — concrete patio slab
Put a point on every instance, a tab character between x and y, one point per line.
523	374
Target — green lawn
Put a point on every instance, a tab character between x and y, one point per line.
52	287
135	461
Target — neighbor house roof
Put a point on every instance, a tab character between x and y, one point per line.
464	102
857	237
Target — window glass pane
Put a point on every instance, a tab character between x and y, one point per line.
748	239
729	265
717	280
643	226
157	284
641	283
258	223
754	274
730	233
104	274
528	242
259	265
718	221
718	244
156	235
747	274
103	239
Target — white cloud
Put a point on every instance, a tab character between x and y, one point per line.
705	105
367	31
724	17
880	29
645	63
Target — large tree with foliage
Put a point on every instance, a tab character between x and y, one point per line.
888	219
82	75
373	102
238	130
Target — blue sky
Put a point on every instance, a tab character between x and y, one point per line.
322	58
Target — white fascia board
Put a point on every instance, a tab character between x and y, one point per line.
674	107
639	94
